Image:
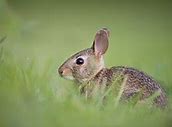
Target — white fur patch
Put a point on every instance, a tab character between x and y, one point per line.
70	77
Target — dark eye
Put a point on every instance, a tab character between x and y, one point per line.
79	61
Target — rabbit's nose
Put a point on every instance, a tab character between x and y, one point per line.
60	71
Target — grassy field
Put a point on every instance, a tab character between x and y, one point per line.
40	35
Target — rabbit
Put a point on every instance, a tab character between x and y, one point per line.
87	66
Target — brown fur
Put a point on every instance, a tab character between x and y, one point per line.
137	83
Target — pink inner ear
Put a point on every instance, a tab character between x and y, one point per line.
101	42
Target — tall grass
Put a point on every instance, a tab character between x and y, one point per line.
31	99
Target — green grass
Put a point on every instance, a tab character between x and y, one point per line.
41	35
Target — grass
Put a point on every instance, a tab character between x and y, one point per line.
29	98
41	35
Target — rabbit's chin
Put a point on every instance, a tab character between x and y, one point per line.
69	77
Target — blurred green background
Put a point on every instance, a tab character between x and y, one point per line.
41	34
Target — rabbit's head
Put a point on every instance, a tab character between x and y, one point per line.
84	65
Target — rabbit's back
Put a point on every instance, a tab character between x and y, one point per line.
139	84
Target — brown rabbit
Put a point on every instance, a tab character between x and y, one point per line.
87	66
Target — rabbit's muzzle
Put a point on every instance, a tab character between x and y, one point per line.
65	73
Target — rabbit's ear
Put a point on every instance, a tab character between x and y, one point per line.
101	42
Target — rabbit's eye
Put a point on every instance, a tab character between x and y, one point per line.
79	61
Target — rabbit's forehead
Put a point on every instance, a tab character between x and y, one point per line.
84	54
